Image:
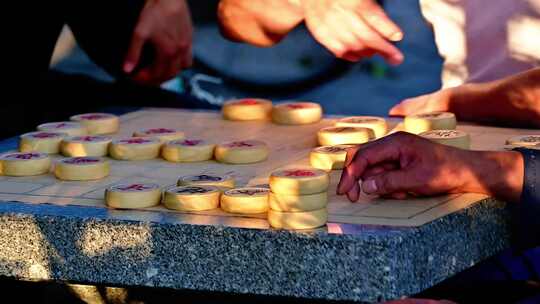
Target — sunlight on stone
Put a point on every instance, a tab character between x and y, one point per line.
99	239
21	259
87	293
39	271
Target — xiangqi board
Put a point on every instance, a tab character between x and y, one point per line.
289	145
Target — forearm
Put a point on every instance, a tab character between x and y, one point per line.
498	174
513	100
258	22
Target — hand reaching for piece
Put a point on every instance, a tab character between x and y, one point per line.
434	102
353	29
401	164
258	22
350	29
166	26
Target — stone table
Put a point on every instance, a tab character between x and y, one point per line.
341	262
238	255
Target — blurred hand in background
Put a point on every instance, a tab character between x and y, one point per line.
353	29
350	29
258	22
164	26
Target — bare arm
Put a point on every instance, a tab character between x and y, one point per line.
514	100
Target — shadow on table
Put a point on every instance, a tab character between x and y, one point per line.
58	96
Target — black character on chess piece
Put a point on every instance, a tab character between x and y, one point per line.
192	190
206	178
251	192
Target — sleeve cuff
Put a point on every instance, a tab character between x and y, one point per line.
528	221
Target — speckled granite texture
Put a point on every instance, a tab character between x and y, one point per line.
362	263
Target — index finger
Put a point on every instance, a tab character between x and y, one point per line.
371	37
135	48
376	17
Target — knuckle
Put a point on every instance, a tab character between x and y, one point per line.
339	51
357	47
182	45
403	138
401	135
408	137
431	184
169	51
177	8
383	185
373	18
141	32
171	14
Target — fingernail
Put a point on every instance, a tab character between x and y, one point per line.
369	186
397	36
348	160
396	111
339	191
396	59
128	67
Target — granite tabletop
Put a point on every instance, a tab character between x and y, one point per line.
340	262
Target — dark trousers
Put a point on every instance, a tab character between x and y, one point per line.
510	277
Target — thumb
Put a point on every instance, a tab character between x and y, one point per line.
432	102
401	109
388	183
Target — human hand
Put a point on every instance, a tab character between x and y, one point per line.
258	22
403	164
166	26
434	102
353	29
513	101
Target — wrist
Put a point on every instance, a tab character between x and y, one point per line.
505	101
498	174
469	101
